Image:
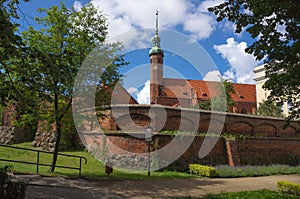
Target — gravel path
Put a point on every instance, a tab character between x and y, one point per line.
58	187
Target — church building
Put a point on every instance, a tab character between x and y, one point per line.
189	93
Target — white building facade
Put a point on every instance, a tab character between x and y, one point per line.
261	93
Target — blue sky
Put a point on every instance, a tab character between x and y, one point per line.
188	17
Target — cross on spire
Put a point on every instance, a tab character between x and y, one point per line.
156	40
156	31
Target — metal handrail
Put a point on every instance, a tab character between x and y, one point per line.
37	163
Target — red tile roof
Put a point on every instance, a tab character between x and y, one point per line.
119	95
180	88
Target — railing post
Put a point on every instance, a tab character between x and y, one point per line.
37	162
80	167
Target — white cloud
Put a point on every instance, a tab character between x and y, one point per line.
209	3
134	39
199	25
216	76
124	16
213	75
228	75
228	27
132	90
242	63
77	5
143	97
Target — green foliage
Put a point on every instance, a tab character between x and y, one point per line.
1	111
155	157
275	27
4	181
223	101
205	105
93	168
181	134
10	42
12	49
106	84
55	54
268	108
251	171
8	187
202	170
288	187
261	194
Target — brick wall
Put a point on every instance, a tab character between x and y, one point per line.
260	151
202	121
121	147
265	141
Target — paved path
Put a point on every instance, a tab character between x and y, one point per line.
58	187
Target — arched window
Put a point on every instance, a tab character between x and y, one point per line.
244	111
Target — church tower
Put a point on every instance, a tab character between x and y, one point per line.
156	55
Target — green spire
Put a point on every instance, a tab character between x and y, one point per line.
156	41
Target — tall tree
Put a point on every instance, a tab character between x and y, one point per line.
12	49
56	53
9	40
223	101
274	24
267	108
9	43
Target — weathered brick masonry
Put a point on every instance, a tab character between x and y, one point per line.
259	140
258	151
120	147
168	118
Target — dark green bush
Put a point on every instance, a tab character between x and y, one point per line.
9	188
202	170
288	187
251	171
259	194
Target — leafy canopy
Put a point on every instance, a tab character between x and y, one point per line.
223	101
268	108
40	75
275	26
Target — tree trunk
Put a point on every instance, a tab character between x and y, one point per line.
58	134
56	147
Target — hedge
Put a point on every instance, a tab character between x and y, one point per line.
288	187
202	170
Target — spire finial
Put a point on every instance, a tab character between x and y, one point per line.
156	31
156	40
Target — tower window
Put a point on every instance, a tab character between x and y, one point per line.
151	61
244	111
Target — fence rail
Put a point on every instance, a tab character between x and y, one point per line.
37	163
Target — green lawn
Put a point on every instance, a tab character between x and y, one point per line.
93	168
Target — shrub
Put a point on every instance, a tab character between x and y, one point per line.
11	188
251	171
260	194
288	187
202	170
